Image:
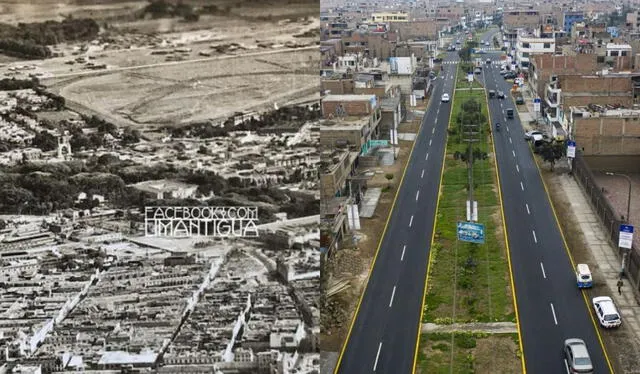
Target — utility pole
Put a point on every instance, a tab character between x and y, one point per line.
470	131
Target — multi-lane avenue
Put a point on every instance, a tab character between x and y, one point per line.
384	333
551	308
383	336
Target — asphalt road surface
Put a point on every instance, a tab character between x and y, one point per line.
551	308
385	330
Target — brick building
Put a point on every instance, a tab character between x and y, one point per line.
351	105
337	166
453	12
373	45
580	90
606	133
523	18
544	66
415	30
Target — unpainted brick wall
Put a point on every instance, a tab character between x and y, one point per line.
352	108
338	86
608	136
415	29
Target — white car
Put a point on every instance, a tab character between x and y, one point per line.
445	98
606	312
531	134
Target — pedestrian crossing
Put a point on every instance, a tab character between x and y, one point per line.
489	49
493	62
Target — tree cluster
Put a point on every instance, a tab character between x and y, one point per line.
44	188
12	84
55	102
162	9
295	114
31	40
24	49
79	140
471	114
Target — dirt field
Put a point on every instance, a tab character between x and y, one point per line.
274	61
354	263
171	94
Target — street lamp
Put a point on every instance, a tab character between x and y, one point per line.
625	252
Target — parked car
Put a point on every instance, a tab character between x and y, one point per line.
519	100
492	94
445	98
509	75
501	95
606	312
488	61
530	134
477	71
577	357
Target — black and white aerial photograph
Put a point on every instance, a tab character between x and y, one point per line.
159	186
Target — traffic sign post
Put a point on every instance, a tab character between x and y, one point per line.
471	232
571	149
536	105
625	241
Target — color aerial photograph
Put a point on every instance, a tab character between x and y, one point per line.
480	186
159	187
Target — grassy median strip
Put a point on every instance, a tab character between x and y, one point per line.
472	352
467	282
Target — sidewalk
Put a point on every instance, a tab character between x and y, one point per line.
623	345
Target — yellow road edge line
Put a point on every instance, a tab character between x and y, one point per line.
573	264
375	256
506	239
435	221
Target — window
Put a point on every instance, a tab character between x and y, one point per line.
600	59
623	53
526	45
614	53
546	45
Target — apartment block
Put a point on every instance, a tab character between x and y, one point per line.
336	166
527	47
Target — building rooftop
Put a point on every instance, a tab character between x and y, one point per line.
330	98
345	124
594	110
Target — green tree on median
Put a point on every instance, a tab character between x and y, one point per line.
470	114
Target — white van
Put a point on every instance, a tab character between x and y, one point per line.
583	276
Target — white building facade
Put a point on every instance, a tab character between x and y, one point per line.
527	46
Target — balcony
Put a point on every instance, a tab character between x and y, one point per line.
552	98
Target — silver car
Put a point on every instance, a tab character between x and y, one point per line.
577	357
